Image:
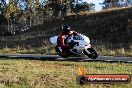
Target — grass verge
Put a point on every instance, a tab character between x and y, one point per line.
102	50
56	74
50	50
21	50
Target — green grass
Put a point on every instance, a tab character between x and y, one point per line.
56	74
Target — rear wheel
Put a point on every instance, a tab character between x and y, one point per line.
93	54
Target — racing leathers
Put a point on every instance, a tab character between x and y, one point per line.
62	41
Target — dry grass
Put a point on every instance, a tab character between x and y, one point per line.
50	50
21	50
56	74
107	10
102	50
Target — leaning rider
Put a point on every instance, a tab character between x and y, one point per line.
62	38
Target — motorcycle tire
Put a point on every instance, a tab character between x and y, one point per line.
93	54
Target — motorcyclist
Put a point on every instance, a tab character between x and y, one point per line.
62	38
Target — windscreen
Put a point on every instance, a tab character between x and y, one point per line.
78	37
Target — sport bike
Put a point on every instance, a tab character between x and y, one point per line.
80	44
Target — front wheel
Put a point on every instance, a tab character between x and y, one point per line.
91	53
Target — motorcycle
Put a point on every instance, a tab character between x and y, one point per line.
80	45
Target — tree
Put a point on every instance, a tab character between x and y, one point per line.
2	6
11	11
83	6
116	3
33	12
110	4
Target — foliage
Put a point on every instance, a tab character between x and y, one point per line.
116	3
11	10
84	7
2	6
24	14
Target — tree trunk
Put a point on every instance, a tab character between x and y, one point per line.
30	23
8	25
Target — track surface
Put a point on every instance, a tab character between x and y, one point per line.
56	57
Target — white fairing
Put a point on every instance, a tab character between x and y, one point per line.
83	42
53	40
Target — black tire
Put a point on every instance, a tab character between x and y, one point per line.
81	80
60	53
93	54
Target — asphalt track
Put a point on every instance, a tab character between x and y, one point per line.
58	58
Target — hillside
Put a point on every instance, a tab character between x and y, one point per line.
110	28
